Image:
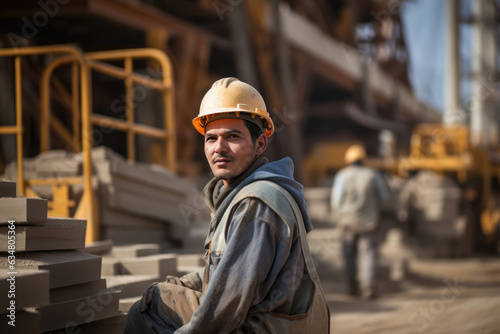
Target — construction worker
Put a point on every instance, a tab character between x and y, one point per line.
357	194
259	276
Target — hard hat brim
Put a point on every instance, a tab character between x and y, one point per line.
264	123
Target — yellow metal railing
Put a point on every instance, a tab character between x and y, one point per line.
165	86
82	65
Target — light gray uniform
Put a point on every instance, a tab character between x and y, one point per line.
357	194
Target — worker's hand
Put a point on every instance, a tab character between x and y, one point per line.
174	280
147	297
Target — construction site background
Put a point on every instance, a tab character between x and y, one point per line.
96	106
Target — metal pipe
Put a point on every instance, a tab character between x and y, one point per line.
45	101
129	104
19	127
8	130
106	121
166	71
452	113
75	107
122	74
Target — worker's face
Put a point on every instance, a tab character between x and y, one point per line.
229	148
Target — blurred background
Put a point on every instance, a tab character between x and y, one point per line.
105	134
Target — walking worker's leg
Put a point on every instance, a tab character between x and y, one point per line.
349	251
368	254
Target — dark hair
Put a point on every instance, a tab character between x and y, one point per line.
254	129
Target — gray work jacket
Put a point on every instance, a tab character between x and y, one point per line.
256	268
356	197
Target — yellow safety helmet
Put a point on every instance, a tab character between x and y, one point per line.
232	98
354	153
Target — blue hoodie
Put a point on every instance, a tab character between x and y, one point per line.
259	271
280	172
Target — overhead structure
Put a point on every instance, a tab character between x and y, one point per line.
484	98
303	56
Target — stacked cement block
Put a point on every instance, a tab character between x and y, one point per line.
138	202
56	288
131	269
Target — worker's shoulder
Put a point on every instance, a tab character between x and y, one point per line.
264	189
358	169
271	194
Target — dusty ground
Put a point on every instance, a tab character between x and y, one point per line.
425	296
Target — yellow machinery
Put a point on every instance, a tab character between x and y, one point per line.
445	150
324	158
79	137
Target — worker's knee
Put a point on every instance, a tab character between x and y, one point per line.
136	322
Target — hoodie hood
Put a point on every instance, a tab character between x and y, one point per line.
281	173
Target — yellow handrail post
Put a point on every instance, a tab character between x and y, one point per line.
88	198
19	127
75	107
129	103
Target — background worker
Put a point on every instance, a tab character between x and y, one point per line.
259	274
357	195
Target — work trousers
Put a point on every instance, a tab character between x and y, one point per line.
360	251
171	307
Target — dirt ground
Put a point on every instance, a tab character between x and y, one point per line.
415	295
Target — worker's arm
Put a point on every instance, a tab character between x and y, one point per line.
242	277
337	191
193	280
381	187
404	200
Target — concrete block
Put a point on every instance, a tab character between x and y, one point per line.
103	153
136	250
110	267
77	291
102	247
27	322
56	234
130	285
65	267
126	303
156	176
31	288
184	270
153	188
112	218
137	235
194	237
72	313
190	260
57	163
155	265
7	189
23	210
143	200
112	325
